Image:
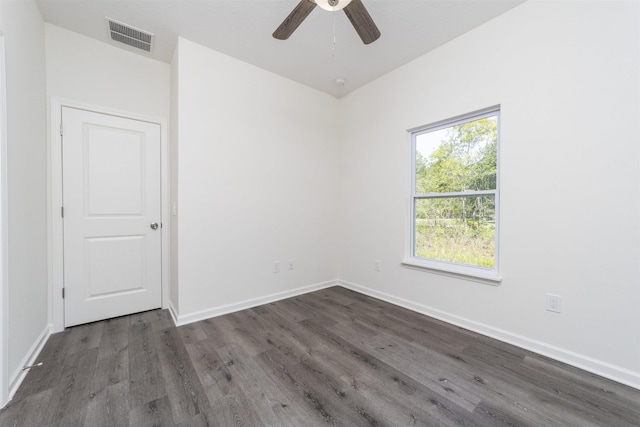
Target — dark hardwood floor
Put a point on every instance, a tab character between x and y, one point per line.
332	357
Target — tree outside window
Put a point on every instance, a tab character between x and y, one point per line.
455	191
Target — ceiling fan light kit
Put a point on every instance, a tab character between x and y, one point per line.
354	9
332	5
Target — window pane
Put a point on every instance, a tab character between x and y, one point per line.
456	229
458	158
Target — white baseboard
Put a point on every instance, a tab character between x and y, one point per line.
29	359
598	367
243	305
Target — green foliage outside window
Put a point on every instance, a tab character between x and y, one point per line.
458	227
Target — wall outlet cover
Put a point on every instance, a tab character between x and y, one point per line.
554	303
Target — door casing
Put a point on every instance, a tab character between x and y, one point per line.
4	282
56	259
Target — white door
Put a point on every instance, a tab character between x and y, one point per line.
111	198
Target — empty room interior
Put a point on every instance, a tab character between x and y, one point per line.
233	212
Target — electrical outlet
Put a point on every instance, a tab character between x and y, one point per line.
276	266
376	264
290	264
554	303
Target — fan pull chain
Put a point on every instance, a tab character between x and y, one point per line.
333	49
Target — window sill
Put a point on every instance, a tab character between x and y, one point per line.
478	274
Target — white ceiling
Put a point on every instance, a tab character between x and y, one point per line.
243	28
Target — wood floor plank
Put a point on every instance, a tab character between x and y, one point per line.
424	366
155	413
286	312
112	366
272	406
401	397
343	295
328	357
364	371
487	415
449	375
244	395
192	332
330	308
68	404
157	319
296	305
84	337
146	379
458	336
441	373
551	394
207	362
569	398
236	410
109	406
248	331
219	330
340	392
292	384
624	398
184	389
197	421
28	411
293	332
433	335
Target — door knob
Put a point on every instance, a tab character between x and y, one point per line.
154	226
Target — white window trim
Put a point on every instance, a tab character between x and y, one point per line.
485	275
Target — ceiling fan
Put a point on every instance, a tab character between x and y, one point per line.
354	9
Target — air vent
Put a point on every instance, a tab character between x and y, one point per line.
129	35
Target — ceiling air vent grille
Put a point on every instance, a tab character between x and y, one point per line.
129	35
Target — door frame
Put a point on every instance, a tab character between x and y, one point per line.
56	260
4	275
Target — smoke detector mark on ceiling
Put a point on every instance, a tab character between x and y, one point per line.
132	36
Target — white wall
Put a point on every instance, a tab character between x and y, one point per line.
22	26
257	183
85	70
567	77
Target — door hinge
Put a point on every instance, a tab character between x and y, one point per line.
62	293
62	211
60	129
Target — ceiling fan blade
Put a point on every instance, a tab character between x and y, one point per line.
362	22
293	21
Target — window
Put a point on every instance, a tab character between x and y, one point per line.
455	195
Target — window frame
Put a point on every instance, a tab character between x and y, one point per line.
487	275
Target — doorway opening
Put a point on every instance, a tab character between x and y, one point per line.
57	202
